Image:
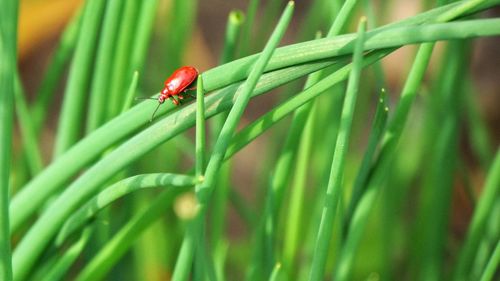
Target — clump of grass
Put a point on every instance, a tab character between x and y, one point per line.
331	203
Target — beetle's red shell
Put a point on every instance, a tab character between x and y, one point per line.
180	80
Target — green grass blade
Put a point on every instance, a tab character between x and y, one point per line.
234	24
294	222
360	182
121	68
183	266
334	189
276	273
54	71
432	220
63	264
264	122
492	266
107	257
248	28
180	27
32	150
479	218
79	78
116	191
200	128
478	132
241	101
8	68
99	88
219	206
205	190
143	33
341	19
130	96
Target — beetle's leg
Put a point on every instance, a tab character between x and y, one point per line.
189	95
174	101
180	96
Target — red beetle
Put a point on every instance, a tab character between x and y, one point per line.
176	85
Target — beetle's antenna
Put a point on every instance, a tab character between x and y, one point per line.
154	112
141	98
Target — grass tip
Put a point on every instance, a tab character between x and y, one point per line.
363	20
236	17
291	3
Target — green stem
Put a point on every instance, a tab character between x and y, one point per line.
334	189
79	77
8	68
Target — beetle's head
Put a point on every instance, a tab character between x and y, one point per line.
161	98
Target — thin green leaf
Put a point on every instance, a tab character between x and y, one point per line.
360	182
30	141
483	208
54	71
334	189
79	78
102	72
64	262
492	266
117	191
8	68
130	96
107	257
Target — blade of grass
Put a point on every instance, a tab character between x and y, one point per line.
63	264
189	243
107	257
276	273
116	191
492	266
79	78
204	266
479	218
129	97
143	33
8	68
28	133
341	19
221	194
200	128
102	72
245	45
180	27
478	132
378	127
121	68
204	191
489	239
54	71
264	122
294	222
433	217
334	189
284	164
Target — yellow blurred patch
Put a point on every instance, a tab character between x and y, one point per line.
40	20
